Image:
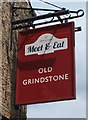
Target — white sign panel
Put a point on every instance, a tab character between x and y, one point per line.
46	43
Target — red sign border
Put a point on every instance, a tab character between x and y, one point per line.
71	24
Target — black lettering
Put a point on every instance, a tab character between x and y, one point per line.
58	45
34	49
31	49
63	44
40	48
54	47
47	46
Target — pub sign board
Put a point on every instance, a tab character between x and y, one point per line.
46	64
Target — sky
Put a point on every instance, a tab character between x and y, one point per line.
71	108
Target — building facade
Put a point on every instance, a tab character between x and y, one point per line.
8	52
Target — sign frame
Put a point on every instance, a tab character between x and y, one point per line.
20	46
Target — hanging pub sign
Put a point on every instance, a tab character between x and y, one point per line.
46	64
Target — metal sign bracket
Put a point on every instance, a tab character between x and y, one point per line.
61	16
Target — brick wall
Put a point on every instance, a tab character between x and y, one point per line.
0	61
8	62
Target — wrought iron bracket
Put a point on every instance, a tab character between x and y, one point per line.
55	16
56	13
